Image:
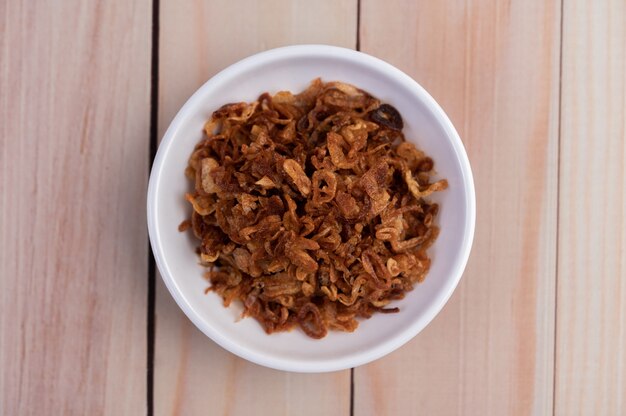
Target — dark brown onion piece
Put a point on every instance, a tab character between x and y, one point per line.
425	165
388	116
303	123
388	310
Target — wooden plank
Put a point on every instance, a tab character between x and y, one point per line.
192	374
494	67
74	154
591	314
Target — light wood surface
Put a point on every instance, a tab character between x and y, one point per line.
537	90
494	67
74	154
591	301
193	375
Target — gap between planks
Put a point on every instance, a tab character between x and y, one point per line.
154	119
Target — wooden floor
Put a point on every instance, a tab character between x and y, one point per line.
537	90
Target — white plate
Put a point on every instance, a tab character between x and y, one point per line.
292	68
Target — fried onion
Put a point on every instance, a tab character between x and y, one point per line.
311	209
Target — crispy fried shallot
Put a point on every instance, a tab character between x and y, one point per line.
311	209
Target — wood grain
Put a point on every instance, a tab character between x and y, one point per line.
192	374
74	150
591	313
494	67
74	121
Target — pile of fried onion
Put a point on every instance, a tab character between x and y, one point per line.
311	209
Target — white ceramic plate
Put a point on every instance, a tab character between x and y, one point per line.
292	68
